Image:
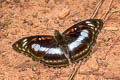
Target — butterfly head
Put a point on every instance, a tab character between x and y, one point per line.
59	37
57	33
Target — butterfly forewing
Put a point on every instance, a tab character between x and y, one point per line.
42	48
32	46
81	37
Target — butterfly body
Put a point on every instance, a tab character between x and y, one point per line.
76	42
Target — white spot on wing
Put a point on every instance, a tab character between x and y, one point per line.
24	44
43	49
37	47
75	28
54	51
85	30
88	22
39	38
84	33
80	39
33	45
24	40
91	25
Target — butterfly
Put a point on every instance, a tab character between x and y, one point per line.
74	44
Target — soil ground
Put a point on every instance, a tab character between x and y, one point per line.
21	18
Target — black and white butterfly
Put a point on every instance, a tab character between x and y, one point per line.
76	42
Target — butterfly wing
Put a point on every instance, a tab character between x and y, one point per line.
81	37
42	48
